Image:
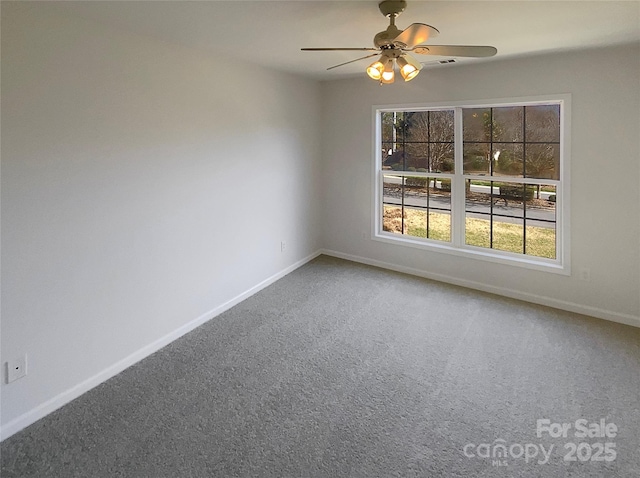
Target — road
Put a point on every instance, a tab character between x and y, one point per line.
475	209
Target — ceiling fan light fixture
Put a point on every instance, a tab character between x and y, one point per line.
375	70
409	67
388	75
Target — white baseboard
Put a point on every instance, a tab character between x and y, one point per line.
626	319
74	392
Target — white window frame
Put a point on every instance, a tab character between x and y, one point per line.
560	265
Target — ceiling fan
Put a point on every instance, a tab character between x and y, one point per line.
393	45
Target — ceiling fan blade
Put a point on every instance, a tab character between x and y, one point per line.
340	49
415	34
347	62
455	50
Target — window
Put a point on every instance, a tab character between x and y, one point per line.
483	180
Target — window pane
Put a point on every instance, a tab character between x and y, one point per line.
478	196
426	224
541	222
392	220
500	215
507	234
508	159
514	194
439	226
476	158
416	221
543	123
476	124
392	158
433	126
392	190
441	187
477	231
442	157
543	161
401	125
541	241
429	140
507	199
386	151
417	156
393	126
508	124
441	126
408	191
415	191
430	225
494	198
387	126
546	195
417	206
417	126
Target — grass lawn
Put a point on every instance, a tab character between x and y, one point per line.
439	225
541	241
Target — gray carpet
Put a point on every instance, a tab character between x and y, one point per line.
345	370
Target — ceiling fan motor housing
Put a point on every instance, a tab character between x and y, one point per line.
386	37
392	7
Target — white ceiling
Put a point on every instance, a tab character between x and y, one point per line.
272	32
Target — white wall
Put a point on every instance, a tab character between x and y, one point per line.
143	187
605	209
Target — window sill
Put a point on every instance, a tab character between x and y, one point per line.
471	252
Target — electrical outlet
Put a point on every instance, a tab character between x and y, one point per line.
585	274
16	368
283	246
